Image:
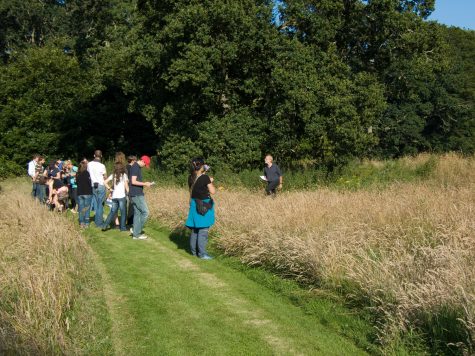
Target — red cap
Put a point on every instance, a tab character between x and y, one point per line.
146	160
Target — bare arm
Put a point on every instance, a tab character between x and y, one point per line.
139	184
211	188
107	181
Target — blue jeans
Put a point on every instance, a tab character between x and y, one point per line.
199	237
84	208
117	204
140	214
99	195
39	192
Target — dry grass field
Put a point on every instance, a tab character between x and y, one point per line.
407	251
43	259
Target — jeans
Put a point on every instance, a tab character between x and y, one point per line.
199	237
130	211
99	195
39	192
140	214
84	208
93	205
117	204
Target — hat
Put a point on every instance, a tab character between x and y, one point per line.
146	160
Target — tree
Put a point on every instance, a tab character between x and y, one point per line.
41	88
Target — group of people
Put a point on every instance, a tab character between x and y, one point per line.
86	188
83	189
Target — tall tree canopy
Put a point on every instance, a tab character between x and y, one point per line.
329	81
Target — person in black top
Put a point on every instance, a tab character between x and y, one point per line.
201	213
273	176
84	192
137	197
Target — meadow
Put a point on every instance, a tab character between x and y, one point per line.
404	249
51	299
392	238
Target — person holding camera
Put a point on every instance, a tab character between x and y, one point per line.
201	212
97	171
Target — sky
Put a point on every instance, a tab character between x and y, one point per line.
460	13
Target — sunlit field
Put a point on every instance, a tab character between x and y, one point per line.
46	271
406	251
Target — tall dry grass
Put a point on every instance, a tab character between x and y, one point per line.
407	252
42	259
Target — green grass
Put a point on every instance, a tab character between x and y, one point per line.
90	323
355	175
164	301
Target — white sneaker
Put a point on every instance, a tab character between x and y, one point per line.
140	237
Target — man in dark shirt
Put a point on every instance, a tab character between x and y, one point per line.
137	197
273	176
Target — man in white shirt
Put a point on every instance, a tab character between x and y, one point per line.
32	173
97	171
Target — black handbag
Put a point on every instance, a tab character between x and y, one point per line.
203	207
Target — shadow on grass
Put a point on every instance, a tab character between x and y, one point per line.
180	237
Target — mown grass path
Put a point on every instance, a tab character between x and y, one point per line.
163	301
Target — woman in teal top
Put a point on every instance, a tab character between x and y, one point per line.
201	188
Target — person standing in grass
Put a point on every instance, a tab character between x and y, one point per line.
72	170
137	197
39	180
120	189
84	193
273	176
201	212
32	174
97	172
130	209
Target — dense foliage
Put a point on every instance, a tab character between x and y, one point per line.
315	82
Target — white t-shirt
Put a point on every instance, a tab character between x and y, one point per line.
31	168
97	171
119	188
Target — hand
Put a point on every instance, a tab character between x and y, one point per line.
148	184
280	186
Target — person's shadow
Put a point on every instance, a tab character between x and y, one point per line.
180	237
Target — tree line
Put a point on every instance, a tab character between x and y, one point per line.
315	82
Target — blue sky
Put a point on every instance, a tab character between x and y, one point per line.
460	13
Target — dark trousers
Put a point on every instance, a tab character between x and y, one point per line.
271	187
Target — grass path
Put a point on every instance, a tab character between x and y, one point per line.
163	301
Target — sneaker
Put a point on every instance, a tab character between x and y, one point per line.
206	257
140	237
132	230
